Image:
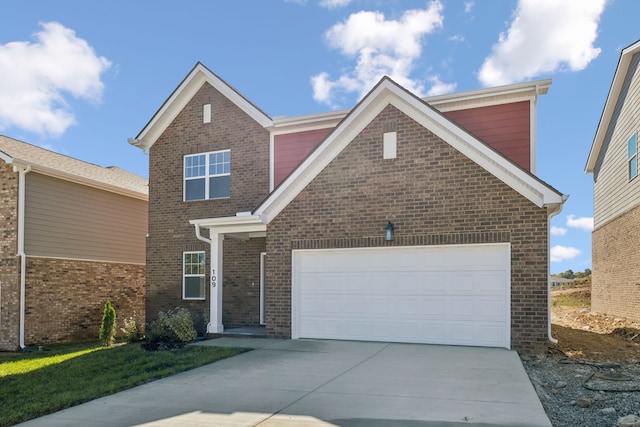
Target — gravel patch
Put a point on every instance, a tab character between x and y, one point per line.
579	393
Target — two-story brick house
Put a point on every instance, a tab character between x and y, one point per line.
401	219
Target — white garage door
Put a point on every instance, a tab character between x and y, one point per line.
450	294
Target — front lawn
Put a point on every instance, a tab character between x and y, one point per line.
37	383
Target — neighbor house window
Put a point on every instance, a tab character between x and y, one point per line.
632	149
207	176
193	277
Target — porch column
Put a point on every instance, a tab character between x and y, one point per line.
215	308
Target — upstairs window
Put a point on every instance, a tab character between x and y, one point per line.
632	150
193	277
207	176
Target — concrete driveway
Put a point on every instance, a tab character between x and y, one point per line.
328	383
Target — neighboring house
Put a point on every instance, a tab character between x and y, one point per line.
613	161
283	221
73	237
558	281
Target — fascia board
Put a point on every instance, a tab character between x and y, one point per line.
610	105
43	170
183	94
6	158
233	224
388	93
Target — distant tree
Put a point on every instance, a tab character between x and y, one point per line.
569	274
587	272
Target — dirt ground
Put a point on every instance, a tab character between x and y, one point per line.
584	335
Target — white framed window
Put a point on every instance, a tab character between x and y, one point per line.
193	275
207	176
632	156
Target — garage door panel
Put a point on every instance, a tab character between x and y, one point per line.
441	295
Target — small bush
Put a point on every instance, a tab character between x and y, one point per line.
173	328
132	331
108	325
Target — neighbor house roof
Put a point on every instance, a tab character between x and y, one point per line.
388	92
46	162
610	105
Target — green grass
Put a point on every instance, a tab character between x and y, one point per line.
37	383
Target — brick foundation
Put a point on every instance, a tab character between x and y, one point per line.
615	277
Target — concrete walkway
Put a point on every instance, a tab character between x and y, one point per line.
328	383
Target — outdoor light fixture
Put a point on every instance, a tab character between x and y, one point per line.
389	232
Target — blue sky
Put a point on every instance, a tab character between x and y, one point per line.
81	77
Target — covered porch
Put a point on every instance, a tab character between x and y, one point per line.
238	244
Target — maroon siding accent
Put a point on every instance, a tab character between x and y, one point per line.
504	127
290	149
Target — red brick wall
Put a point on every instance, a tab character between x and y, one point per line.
433	195
615	275
169	230
65	298
9	262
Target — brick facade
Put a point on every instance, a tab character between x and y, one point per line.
170	233
616	286
9	262
65	298
434	195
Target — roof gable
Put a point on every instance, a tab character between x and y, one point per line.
46	162
610	104
387	92
181	96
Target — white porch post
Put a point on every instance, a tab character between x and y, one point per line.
215	308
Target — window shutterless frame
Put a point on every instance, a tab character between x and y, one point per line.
632	156
207	176
193	275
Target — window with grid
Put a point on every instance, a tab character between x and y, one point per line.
193	277
207	176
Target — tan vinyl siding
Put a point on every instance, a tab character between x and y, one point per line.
614	194
69	220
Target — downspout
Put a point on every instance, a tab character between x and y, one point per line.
22	171
553	213
199	236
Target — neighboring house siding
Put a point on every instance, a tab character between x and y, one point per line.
170	233
434	195
65	298
9	262
614	194
290	149
505	127
616	286
69	220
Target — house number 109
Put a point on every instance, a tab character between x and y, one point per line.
213	278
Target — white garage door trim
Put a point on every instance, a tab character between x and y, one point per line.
444	294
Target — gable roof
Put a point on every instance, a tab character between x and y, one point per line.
610	105
388	92
198	76
46	162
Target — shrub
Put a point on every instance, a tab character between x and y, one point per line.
131	330
173	328
108	325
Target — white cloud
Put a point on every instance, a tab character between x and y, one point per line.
334	4
438	87
36	78
468	6
545	36
558	231
379	47
562	253
583	223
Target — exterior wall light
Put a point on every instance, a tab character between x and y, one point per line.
389	232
